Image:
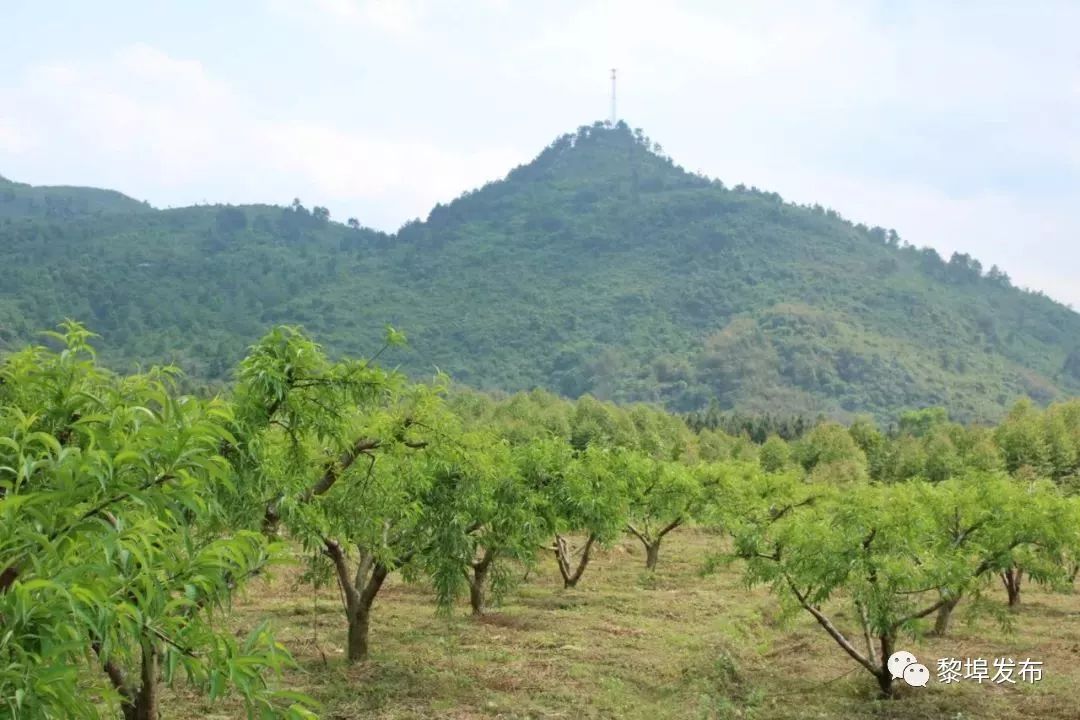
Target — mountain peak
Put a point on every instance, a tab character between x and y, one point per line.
603	153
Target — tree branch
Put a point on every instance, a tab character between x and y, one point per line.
988	563
361	446
775	514
482	564
965	534
337	557
367	561
584	560
638	533
865	622
836	635
562	556
922	613
114	672
674	524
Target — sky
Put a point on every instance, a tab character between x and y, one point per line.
956	123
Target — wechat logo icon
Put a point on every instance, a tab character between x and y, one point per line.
904	665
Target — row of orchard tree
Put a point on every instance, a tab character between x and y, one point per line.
130	515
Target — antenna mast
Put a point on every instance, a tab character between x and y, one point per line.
613	116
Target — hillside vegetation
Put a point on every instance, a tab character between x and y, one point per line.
62	203
601	267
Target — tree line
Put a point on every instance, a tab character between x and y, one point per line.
131	514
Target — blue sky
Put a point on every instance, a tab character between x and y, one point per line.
957	123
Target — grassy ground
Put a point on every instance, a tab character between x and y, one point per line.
630	645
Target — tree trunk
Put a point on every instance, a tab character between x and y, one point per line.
476	591
652	554
652	543
358	593
1012	579
562	553
360	613
359	625
944	617
885	683
271	522
478	581
884	675
143	704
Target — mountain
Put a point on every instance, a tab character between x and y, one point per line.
600	267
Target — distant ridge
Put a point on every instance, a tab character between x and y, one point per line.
600	267
21	200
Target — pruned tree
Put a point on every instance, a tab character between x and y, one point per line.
308	434
484	517
865	543
373	521
661	496
584	496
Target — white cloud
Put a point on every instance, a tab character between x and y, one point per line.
14	140
397	18
677	48
408	176
139	106
165	128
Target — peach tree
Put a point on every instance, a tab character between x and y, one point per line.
116	559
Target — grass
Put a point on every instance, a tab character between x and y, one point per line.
628	644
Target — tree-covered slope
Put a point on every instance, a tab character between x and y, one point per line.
22	200
600	267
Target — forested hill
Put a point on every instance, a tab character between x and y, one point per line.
52	203
600	267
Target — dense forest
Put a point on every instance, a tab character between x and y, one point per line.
601	267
